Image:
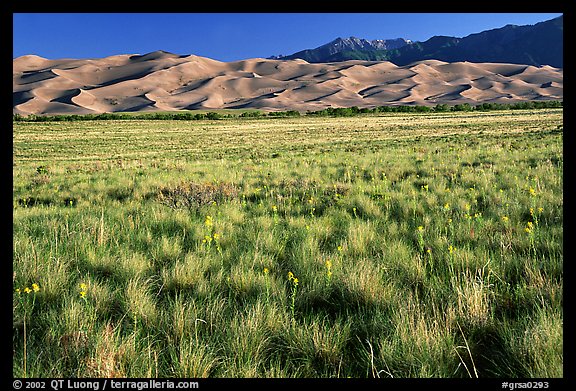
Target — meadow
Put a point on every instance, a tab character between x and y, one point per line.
388	245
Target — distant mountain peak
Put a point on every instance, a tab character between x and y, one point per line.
339	45
375	44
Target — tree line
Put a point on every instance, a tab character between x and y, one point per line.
327	112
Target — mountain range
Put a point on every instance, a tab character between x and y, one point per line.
538	44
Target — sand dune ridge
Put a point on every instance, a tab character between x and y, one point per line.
166	81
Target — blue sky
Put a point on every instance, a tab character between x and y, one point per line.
233	36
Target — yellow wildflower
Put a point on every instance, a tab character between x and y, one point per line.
266	271
27	290
35	287
329	268
208	222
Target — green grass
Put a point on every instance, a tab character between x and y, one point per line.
184	233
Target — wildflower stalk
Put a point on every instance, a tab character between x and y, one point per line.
266	272
430	259
208	223
83	296
275	215
530	228
83	289
420	237
216	238
24	303
451	250
328	264
25	351
294	287
135	320
413	205
207	241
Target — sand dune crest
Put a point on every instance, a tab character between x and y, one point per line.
166	81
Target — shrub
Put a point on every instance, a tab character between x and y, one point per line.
195	195
441	107
213	115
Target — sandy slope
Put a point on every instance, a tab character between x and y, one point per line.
165	81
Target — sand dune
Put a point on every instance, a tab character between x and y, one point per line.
166	81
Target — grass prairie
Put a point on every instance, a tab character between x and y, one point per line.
391	245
